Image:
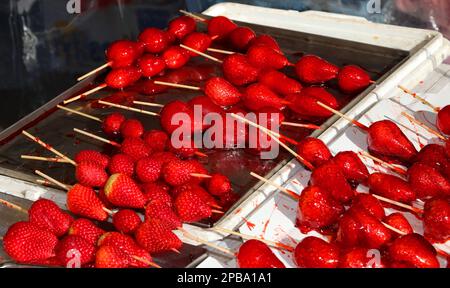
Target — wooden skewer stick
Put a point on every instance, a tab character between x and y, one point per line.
351	120
393	167
201	53
79	113
282	189
45	159
145	261
399	204
207	243
48	147
419	98
309	126
200	154
148	104
274	137
47	183
87	93
128	108
192	15
104	66
249	237
394	229
13	206
431	130
199	175
97	137
177	85
221	51
175	250
54	181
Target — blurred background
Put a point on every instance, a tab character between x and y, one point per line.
44	46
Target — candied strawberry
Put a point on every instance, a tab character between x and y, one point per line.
278	82
136	148
443	120
218	184
220	26
92	156
304	103
413	250
358	257
369	203
206	104
352	79
313	252
433	155
317	209
112	122
46	215
178	172
126	221
154	40
314	151
265	40
427	182
151	65
148	169
258	96
436	219
122	77
156	236
264	57
312	69
391	187
111	257
86	229
163	211
132	128
122	53
91	174
175	57
221	92
197	41
398	221
256	254
83	201
190	207
182	26
238	70
121	163
240	38
156	139
351	165
180	113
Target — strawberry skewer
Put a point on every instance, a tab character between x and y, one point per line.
46	159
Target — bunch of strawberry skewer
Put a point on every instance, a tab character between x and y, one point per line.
146	167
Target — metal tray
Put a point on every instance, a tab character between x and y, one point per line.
55	126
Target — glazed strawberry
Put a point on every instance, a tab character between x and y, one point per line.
312	69
436	219
314	151
159	209
91	174
256	254
427	182
75	250
278	82
199	169
221	92
126	221
83	201
358	257
122	53
313	252
265	40
317	209
206	104
165	156
391	187
190	207
369	203
331	178
122	191
86	229
238	70
304	104
398	221
182	26
197	41
218	184
148	169
151	65
443	120
258	96
121	163
122	77
220	26
434	155
240	38
132	128
385	138
264	57
128	246
154	40
196	189
136	148
178	172
92	156
157	191
180	113
413	250
350	163
175	57
155	236
156	139
352	79
112	122
111	257
348	233
46	215
25	242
